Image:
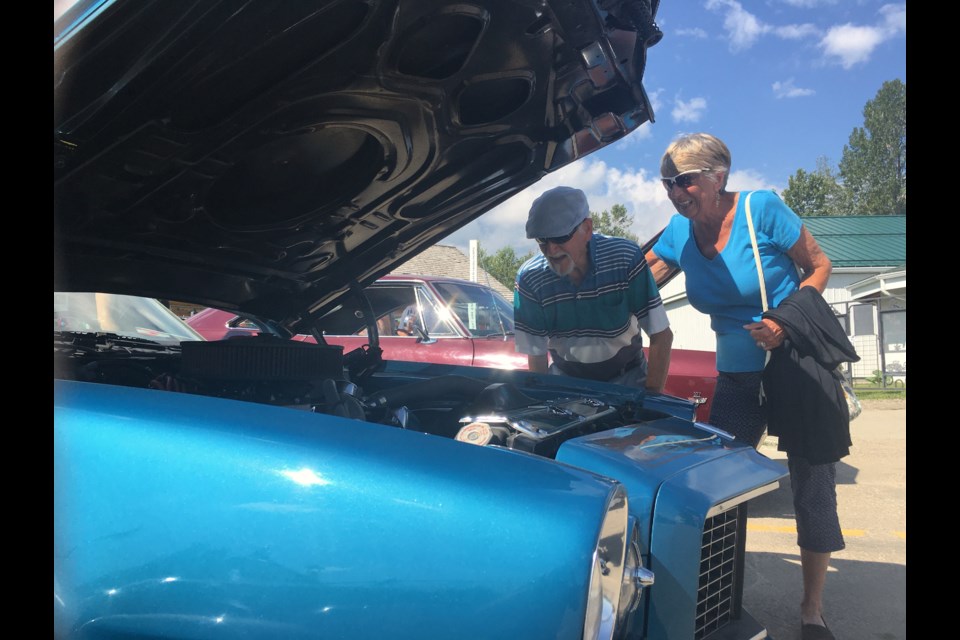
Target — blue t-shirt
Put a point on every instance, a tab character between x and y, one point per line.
727	287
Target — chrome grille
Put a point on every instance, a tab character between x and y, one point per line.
721	568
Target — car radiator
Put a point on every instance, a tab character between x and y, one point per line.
722	553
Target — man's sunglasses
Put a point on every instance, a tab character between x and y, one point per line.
683	179
558	239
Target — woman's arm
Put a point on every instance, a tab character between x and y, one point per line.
816	267
812	261
658	267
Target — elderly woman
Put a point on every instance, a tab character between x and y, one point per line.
710	242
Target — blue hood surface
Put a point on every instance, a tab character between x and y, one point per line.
645	457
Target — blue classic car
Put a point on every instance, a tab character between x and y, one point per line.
272	159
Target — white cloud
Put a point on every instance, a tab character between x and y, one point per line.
850	45
656	100
894	18
787	89
796	31
696	32
689	111
748	180
743	28
640	191
809	4
643	132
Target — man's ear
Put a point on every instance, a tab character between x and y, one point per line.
588	224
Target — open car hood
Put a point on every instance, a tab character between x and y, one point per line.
265	156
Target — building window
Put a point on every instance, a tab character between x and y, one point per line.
894	331
863	323
844	321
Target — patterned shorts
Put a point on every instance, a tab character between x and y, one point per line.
736	409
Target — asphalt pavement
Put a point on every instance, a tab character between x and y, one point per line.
865	597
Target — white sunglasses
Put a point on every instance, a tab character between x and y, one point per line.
683	179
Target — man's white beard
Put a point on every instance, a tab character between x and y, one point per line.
566	271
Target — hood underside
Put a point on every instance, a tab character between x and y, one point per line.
264	156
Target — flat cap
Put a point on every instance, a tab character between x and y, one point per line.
557	212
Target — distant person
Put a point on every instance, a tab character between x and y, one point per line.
407	324
586	299
709	239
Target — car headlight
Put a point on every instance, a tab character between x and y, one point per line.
606	575
635	578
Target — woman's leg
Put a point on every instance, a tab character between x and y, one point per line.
736	406
818	529
814	566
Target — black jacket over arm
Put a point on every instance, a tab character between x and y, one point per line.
807	409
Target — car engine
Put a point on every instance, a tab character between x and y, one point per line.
319	378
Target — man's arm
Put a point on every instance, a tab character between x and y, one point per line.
537	364
658	362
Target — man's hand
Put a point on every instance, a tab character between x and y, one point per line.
658	362
537	364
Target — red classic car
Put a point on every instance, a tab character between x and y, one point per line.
448	321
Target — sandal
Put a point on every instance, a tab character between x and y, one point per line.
815	631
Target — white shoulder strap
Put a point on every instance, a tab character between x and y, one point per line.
756	258
756	254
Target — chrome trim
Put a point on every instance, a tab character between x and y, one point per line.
635	579
644	577
714	430
726	505
609	558
577	420
518	421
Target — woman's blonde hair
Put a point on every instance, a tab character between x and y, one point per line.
697	151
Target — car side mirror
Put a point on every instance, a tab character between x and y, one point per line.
422	336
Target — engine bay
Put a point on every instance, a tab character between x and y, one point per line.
321	379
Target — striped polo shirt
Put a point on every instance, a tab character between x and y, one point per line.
594	328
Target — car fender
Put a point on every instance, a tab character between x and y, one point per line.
677	476
185	516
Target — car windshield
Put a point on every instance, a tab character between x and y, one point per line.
481	310
128	316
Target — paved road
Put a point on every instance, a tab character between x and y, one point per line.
866	591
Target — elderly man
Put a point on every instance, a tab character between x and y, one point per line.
586	298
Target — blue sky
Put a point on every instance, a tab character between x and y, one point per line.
782	82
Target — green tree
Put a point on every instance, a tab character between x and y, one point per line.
503	264
818	193
616	222
874	163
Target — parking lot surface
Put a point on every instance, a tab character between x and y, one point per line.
865	594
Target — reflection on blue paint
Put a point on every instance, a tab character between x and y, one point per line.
306	478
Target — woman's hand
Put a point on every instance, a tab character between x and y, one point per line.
767	333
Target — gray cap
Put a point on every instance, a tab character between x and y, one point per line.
557	212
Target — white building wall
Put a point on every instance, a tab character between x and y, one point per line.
691	329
